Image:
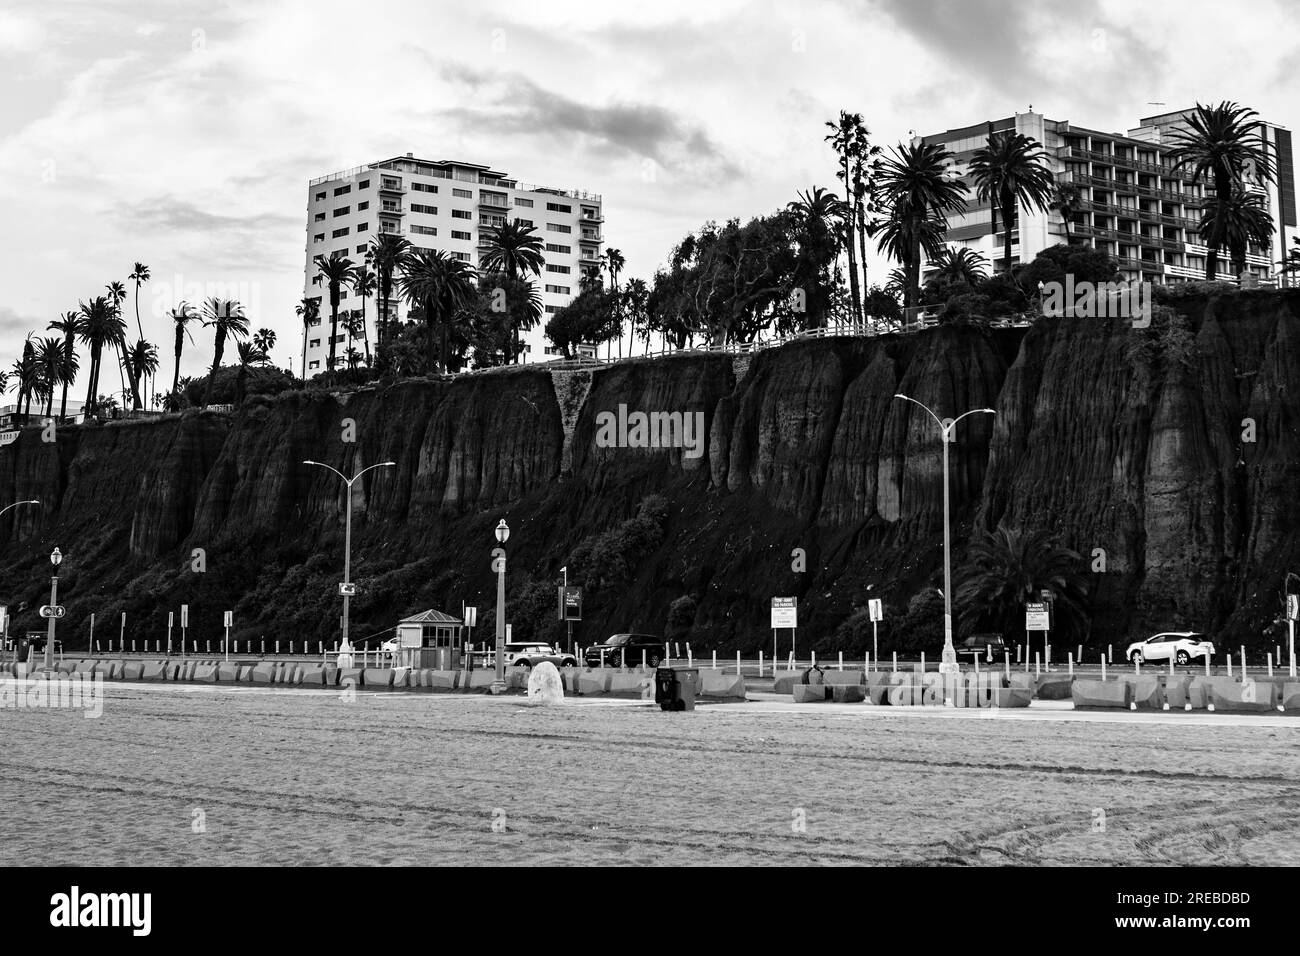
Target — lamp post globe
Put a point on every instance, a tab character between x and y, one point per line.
503	531
56	557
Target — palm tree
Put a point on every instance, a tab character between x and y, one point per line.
335	272
363	284
442	285
919	194
1219	145
27	372
181	316
636	298
614	263
67	324
227	317
51	363
959	265
264	341
1067	201
386	254
1242	220
309	311
101	325
1012	168
142	360
845	137
815	214
514	249
905	238
248	355
116	294
139	274
1005	568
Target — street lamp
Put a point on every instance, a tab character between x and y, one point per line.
948	662
56	558
502	533
345	588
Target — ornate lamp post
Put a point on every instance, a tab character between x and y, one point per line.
346	587
56	558
499	564
948	663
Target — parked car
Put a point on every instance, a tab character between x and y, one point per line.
1182	646
624	650
521	654
989	647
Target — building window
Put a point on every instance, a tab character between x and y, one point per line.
424	230
556	227
320	196
319	217
364	184
342	211
314	344
361	249
462	256
556	247
565	270
314	364
461	214
424	188
552	309
457	234
523	222
462	193
319	237
338	338
558	289
343	190
552	350
363	226
558	207
523	202
340	232
362	206
426	210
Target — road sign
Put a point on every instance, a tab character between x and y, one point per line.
471	617
1037	616
877	609
785	612
230	619
1292	607
349	589
570	603
55	610
185	615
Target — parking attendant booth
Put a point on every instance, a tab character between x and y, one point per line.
429	639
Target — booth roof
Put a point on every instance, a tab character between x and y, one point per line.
431	617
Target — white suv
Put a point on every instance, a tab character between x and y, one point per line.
1182	646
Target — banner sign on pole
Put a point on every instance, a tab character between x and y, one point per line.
1037	616
785	612
877	609
570	603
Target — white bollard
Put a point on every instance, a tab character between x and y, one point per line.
737	663
1171	667
1229	665
840	666
1270	665
715	660
895	662
1103	667
760	664
813	657
277	645
1243	661
1038	665
690	659
1006	661
133	645
1110	654
1069	659
1207	665
923	662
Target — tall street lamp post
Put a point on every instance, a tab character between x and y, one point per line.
56	559
499	563
346	587
948	663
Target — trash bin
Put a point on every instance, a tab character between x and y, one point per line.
675	687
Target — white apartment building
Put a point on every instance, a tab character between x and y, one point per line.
1132	204
447	205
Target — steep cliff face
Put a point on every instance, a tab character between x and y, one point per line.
1169	455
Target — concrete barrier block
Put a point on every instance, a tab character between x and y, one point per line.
84	667
807	693
847	693
906	695
331	675
349	676
633	685
228	673
480	679
1291	695
66	666
442	680
153	671
1096	693
1148	692
719	685
205	674
1023	679
1184	690
377	678
839	678
1249	697
112	670
595	681
1054	687
132	670
877	694
785	680
517	677
262	674
311	675
1011	696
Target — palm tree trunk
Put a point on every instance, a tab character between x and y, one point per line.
1008	212
856	302
862	256
216	364
90	379
305	329
334	329
365	333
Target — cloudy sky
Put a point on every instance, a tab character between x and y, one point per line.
183	135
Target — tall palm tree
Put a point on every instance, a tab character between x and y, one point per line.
514	249
1242	220
959	265
614	263
1067	200
816	215
51	362
1220	144
101	325
142	360
845	137
226	316
335	272
386	254
363	284
67	324
27	372
264	341
309	311
1007	567
866	167
919	194
181	316
441	285
116	295
1012	168
636	296
139	274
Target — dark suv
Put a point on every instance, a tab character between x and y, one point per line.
990	647
624	650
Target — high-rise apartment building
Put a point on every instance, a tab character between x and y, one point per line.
446	205
1131	202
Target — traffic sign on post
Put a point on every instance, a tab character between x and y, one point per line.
230	619
876	609
185	615
1037	616
471	617
55	610
1292	607
570	604
785	612
348	589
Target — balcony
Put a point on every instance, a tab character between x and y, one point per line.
389	228
392	209
487	201
592	215
387	185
